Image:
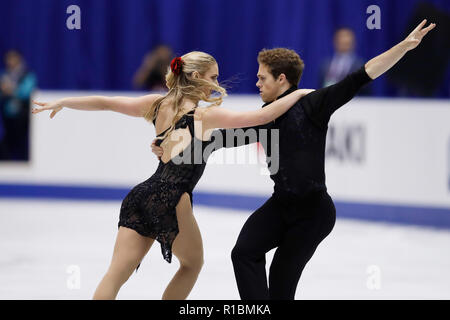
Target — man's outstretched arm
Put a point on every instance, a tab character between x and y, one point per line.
321	104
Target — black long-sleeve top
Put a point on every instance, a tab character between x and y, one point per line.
302	137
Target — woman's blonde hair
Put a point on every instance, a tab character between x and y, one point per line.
184	85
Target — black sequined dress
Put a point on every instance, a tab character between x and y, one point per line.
149	208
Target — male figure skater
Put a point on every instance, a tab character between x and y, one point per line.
300	213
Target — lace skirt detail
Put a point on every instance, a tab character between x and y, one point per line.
150	209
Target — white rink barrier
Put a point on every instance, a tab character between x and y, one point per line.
388	154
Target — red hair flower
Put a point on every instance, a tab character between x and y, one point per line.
176	65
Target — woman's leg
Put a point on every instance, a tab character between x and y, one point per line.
188	248
129	250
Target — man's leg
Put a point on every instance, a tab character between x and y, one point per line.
261	232
298	246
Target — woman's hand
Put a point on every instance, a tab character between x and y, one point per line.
55	106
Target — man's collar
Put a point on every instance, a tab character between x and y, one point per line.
290	90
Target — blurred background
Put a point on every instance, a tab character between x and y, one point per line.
62	180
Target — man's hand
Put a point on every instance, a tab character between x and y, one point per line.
158	151
415	37
383	62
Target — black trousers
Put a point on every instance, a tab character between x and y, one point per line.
295	230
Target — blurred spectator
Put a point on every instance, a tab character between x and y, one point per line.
17	84
151	74
344	60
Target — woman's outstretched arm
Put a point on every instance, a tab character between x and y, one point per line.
135	107
218	117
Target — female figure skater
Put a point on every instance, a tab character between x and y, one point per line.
161	207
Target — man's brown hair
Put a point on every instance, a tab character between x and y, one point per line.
282	60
